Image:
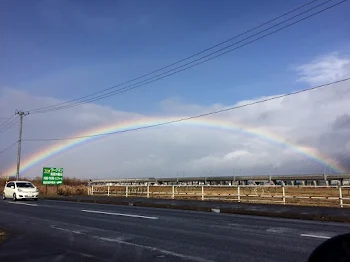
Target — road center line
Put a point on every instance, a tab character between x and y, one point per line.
21	203
314	236
117	214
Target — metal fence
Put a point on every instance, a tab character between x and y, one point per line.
305	195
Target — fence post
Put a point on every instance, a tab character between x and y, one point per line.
108	190
341	197
126	191
283	195
92	190
173	192
239	194
147	191
202	192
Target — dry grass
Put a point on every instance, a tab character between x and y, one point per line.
71	187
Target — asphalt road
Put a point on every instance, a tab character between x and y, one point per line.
68	231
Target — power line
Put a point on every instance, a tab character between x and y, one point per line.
161	76
7	120
196	116
182	60
9	125
7	148
168	73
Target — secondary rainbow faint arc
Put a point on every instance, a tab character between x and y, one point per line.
273	138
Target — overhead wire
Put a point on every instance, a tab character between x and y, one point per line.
171	72
7	148
158	77
142	83
195	116
9	125
7	120
182	60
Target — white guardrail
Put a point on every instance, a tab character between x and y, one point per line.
332	195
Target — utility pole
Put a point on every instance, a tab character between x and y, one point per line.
21	114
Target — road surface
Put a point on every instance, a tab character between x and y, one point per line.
68	231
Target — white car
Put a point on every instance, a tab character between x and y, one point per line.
20	190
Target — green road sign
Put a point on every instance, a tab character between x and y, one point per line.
52	176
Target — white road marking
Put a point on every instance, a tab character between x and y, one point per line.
117	214
278	229
314	236
120	241
165	252
67	230
86	255
21	203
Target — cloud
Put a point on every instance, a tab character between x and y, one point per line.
342	122
267	138
324	69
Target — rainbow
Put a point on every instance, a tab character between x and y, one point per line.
135	124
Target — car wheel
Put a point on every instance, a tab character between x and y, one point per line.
14	197
3	196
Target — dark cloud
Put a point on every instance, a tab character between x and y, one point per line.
342	122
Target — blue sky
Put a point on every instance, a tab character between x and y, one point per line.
66	49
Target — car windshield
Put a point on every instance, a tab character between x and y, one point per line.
24	185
